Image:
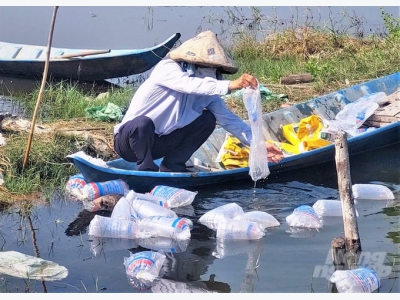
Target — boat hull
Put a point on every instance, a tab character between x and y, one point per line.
327	105
114	64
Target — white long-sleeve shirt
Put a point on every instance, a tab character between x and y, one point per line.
173	99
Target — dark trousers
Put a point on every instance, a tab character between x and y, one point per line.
137	142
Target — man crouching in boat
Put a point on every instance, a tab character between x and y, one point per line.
177	108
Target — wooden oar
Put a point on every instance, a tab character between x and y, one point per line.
83	53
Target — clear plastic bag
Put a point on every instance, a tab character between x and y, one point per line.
93	190
145	209
20	265
263	218
369	191
362	280
221	214
331	208
163	226
354	114
114	228
124	208
75	182
143	268
304	216
258	158
74	186
175	197
234	229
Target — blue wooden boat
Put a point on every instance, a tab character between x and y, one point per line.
206	171
84	65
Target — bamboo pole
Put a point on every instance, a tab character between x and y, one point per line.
352	239
40	96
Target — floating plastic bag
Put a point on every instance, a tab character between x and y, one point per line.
143	268
93	190
304	216
75	182
258	158
124	208
263	218
175	197
328	208
152	198
25	266
74	186
114	228
145	209
221	214
362	280
372	192
163	226
234	229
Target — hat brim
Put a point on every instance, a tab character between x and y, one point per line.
205	50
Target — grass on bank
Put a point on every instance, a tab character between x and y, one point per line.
334	60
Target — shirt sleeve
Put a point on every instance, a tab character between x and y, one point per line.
169	74
230	121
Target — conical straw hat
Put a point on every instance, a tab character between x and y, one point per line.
205	50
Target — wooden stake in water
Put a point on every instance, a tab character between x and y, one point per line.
352	238
40	96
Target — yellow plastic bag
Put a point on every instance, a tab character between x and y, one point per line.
310	128
286	148
312	143
290	133
305	135
234	154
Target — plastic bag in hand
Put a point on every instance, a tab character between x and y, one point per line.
258	158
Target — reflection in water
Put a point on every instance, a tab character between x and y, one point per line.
301	232
105	245
173	286
164	244
80	224
234	247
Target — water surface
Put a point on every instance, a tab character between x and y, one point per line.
284	260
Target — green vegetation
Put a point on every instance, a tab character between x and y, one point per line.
61	111
330	54
333	56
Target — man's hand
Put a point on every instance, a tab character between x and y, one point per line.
274	153
244	81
